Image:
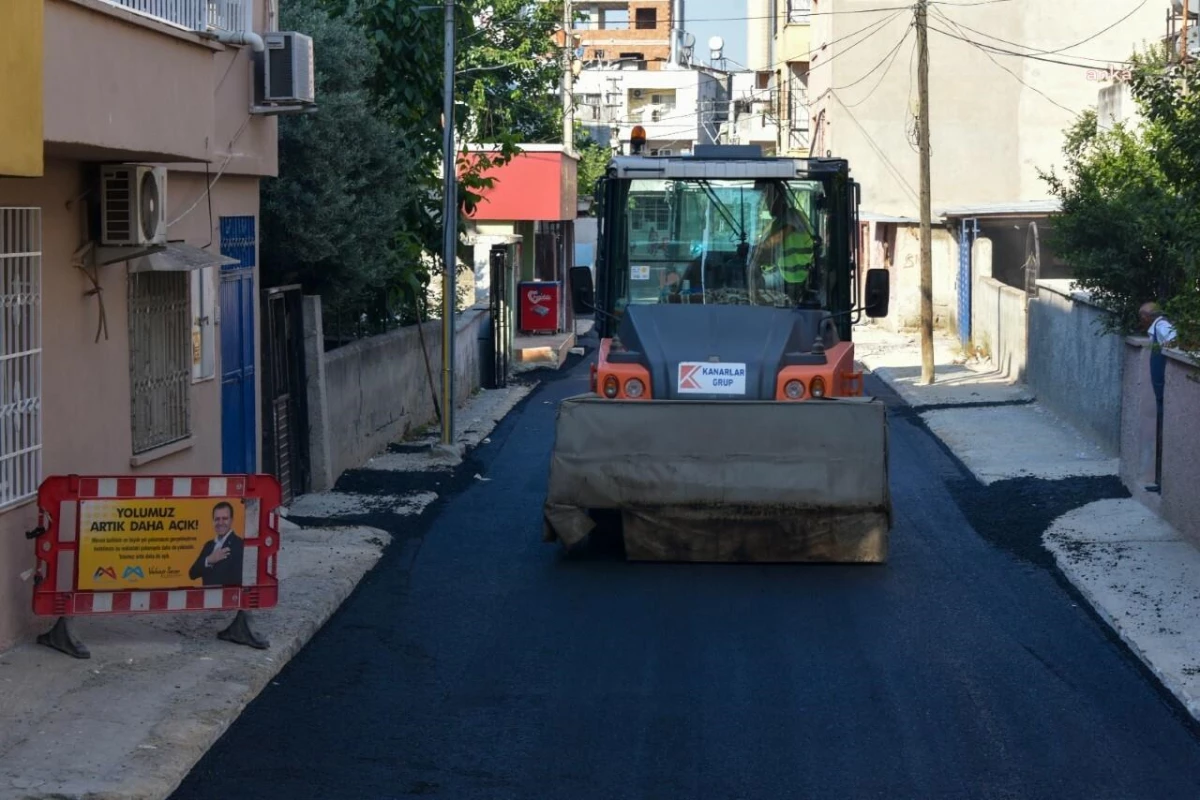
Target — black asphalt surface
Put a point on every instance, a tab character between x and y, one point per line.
478	662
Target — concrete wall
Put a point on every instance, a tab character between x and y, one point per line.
905	311
998	324
377	390
1181	442
1179	503
1137	420
1073	367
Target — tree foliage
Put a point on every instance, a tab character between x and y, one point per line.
1116	220
331	221
593	161
1130	221
356	213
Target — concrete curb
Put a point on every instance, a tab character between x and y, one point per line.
1131	567
1168	680
160	690
1128	565
187	686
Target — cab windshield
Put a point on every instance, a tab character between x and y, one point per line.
730	242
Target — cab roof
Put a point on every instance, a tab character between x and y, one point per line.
722	161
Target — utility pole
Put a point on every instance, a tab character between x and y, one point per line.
567	79
926	232
450	234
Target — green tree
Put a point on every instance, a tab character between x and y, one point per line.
1117	219
334	218
507	69
1130	221
593	161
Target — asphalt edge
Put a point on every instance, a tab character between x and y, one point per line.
1187	713
282	654
280	657
1168	681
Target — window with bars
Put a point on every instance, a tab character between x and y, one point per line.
20	354
160	358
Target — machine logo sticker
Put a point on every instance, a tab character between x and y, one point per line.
708	378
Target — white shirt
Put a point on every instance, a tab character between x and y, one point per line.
1161	331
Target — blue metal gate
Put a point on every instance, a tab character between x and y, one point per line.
239	429
966	237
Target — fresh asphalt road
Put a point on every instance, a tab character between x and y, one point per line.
477	662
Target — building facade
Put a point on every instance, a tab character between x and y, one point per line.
778	46
678	108
120	355
644	34
1005	81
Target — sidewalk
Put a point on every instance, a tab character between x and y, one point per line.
1138	574
159	690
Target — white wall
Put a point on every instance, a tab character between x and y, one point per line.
990	133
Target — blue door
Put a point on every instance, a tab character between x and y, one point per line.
239	431
966	238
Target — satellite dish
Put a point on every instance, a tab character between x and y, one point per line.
716	43
689	39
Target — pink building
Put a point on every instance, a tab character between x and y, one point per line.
129	331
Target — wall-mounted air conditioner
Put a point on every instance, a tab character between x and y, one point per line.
284	74
133	205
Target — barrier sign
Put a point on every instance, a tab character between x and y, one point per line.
161	544
157	544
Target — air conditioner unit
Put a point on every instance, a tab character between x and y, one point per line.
285	72
637	94
133	205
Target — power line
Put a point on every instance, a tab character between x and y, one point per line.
1001	50
1018	77
878	25
891	54
1035	51
896	173
883	74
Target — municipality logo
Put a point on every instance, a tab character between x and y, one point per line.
134	572
104	572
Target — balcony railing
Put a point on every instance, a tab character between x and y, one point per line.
194	15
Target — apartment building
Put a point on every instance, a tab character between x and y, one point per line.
753	116
641	34
133	141
678	108
1005	80
778	47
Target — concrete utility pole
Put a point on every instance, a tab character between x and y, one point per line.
926	232
450	234
568	79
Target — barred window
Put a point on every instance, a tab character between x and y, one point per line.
160	358
20	354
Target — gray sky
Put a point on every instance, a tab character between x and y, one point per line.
733	31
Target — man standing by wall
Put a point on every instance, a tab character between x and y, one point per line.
1162	334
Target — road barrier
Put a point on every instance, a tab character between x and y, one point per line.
161	544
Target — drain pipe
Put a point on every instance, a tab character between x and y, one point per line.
239	38
676	31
